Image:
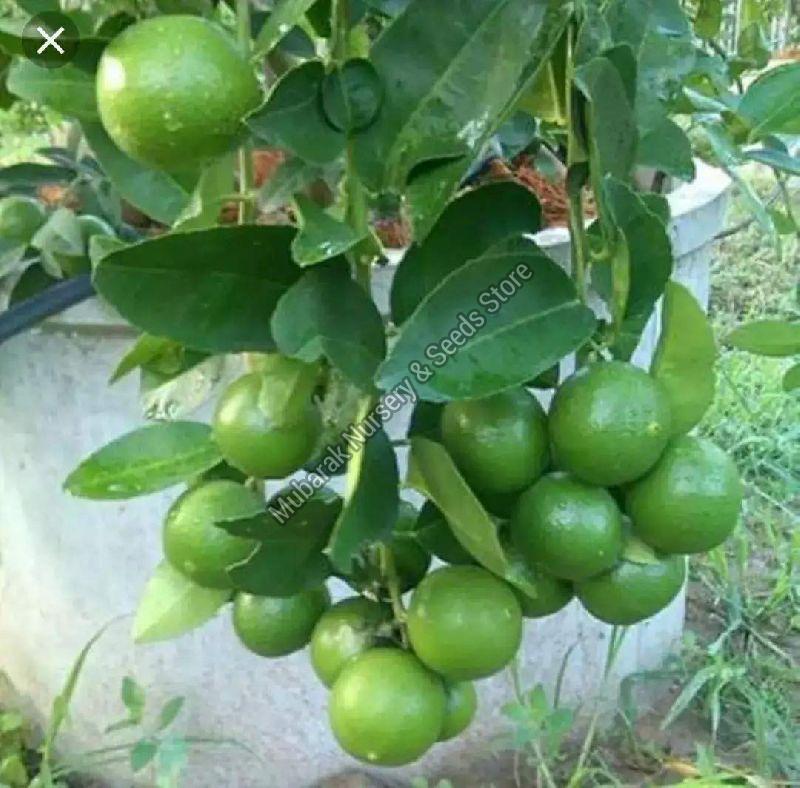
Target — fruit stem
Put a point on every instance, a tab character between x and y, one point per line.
243	34
389	574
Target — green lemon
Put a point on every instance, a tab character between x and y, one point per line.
609	423
386	708
277	626
256	443
192	541
349	628
570	528
498	443
172	91
633	591
435	535
690	501
464	623
462	703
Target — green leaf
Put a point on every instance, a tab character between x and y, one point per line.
133	698
433	473
284	16
371	501
144	350
169	712
771	105
291	535
182	286
153	192
30	175
60	234
767	338
203	209
708	21
791	380
320	236
326	314
776	159
142	754
292	116
146	460
291	177
172	605
352	95
493	323
648	252
68	89
611	126
469	226
448	83
667	148
685	357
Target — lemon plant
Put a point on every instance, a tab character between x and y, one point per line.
374	103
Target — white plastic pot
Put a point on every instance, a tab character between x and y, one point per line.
67	566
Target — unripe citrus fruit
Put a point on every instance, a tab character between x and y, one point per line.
386	708
435	534
609	423
462	703
192	541
277	626
498	443
690	501
172	91
572	529
633	591
349	628
464	623
255	442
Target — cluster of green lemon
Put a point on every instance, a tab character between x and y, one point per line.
598	499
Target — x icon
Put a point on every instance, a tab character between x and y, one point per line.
50	40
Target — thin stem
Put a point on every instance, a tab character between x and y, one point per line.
391	581
243	34
787	200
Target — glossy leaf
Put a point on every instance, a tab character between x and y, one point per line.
666	147
146	460
768	338
371	501
289	557
292	117
432	185
182	286
503	339
684	358
463	77
612	132
352	95
771	105
29	175
172	605
284	16
649	260
153	192
320	236
327	315
68	89
469	226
